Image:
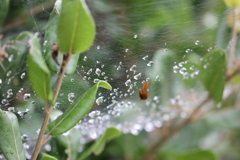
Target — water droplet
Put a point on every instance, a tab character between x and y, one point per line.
9	73
11	109
89	72
98	71
94	114
10	58
26	96
126	50
71	97
96	80
136	77
157	123
197	42
188	50
145	57
47	147
135	36
84	58
133	68
99	100
119	67
91	121
128	82
182	70
205	66
209	49
149	127
9	93
150	63
98	47
165	50
22	75
0	81
45	43
20	90
157	78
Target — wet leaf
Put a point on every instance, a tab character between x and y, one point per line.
225	120
10	137
51	37
37	70
76	28
192	155
212	73
98	146
47	157
76	112
3	10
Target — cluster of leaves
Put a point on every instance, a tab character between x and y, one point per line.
170	24
74	32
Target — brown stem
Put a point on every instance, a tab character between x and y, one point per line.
233	40
48	108
150	153
21	19
190	119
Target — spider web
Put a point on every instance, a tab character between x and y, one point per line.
156	41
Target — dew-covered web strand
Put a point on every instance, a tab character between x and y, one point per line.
132	55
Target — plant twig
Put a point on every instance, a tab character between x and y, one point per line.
190	119
150	153
233	40
22	18
48	108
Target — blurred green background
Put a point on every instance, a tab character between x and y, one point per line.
161	41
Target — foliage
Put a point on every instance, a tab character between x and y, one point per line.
181	48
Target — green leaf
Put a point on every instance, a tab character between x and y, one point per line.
51	37
192	155
10	137
225	120
47	157
38	72
232	3
98	146
71	143
3	10
76	28
76	112
212	73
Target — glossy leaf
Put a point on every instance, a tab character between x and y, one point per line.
76	112
47	157
212	73
98	146
10	137
76	28
51	37
191	155
3	10
37	70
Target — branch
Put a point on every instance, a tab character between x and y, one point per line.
48	108
190	119
233	40
21	19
